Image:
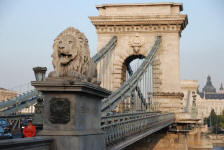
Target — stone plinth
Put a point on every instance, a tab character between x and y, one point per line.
72	114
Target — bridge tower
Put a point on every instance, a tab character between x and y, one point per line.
136	27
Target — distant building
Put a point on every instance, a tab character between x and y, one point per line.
221	90
6	94
206	100
209	91
209	88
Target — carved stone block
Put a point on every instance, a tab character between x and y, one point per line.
59	110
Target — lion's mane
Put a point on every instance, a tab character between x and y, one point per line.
80	65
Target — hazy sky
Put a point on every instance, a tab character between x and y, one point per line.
28	28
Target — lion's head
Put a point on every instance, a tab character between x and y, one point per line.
71	53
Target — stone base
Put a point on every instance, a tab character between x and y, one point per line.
90	142
72	114
76	140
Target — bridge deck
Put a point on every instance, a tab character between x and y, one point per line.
125	129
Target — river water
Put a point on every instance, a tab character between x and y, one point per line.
218	148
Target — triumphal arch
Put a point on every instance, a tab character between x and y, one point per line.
136	27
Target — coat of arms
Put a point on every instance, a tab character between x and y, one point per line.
136	43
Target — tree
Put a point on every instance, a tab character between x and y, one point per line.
215	122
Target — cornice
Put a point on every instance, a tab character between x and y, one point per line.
158	28
141	4
152	20
140	17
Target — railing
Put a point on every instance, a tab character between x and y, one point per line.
17	107
119	127
22	101
15	121
19	99
117	96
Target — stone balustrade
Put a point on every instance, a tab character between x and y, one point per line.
121	126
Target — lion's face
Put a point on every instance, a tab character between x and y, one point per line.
67	49
71	53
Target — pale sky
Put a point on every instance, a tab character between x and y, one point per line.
28	28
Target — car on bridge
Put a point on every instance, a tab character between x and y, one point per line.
5	125
4	134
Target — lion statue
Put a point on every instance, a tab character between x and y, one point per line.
71	57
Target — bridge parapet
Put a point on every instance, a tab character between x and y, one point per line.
35	143
125	129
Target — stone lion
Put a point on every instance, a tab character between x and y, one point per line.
71	57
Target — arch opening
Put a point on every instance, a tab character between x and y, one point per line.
144	86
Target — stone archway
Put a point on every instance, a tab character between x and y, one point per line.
121	66
133	62
136	27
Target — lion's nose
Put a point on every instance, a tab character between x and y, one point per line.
61	47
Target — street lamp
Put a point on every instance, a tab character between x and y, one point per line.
37	116
40	73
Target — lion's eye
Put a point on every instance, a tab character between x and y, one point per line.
69	42
80	40
60	42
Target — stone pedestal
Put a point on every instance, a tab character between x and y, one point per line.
72	114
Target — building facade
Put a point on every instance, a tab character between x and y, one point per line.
206	100
7	94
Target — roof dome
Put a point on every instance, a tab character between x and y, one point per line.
221	88
209	88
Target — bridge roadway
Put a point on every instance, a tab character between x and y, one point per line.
121	130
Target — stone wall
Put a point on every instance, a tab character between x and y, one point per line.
35	143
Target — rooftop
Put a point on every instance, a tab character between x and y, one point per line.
140	9
209	88
141	4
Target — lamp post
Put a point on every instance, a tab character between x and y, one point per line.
40	73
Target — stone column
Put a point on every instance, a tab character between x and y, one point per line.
72	114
